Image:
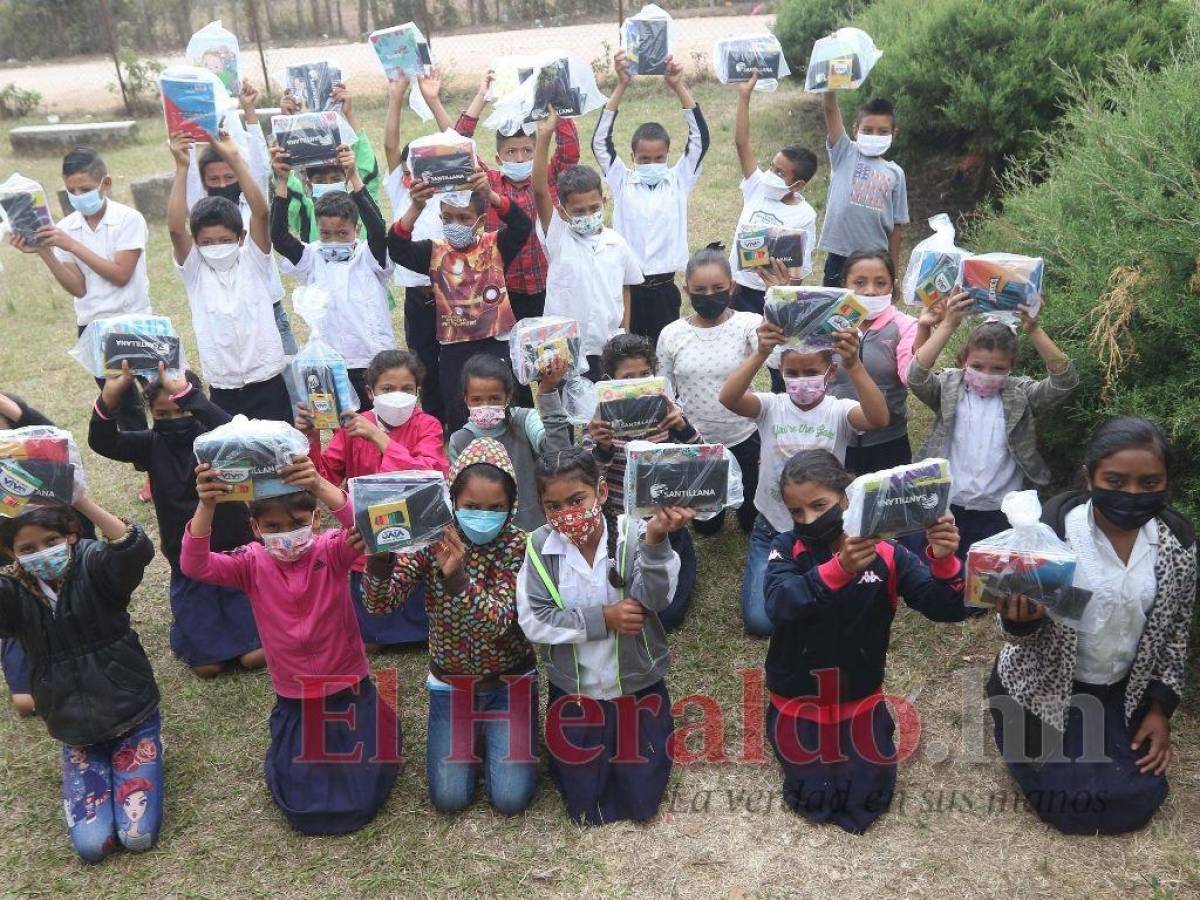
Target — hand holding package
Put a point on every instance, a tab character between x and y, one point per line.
933	265
195	101
318	378
810	315
1003	282
900	500
249	454
537	342
23	208
400	512
704	477
632	407
646	39
139	339
557	80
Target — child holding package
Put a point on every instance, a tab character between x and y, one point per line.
588	595
477	652
868	197
650	200
226	273
298	587
592	267
806	417
832	599
986	417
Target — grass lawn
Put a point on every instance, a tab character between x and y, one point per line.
955	830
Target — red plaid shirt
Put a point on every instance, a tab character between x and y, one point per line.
527	274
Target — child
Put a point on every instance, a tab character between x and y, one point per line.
357	321
475	643
1101	696
805	417
67	599
211	627
227	279
299	590
650	200
698	354
770	199
467	270
525	434
887	346
868	198
631	356
986	417
591	267
832	599
588	594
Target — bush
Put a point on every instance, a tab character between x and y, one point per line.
799	23
141	83
16	102
1117	220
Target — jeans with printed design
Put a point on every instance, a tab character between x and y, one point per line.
754	603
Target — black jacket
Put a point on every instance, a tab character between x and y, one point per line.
90	678
826	618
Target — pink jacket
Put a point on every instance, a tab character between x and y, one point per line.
417	444
303	609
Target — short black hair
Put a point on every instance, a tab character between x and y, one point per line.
649	131
300	501
393	359
621	347
877	106
84	159
490	368
487	472
815	467
154	387
330	169
502	138
336	205
56	517
578	180
210	211
1126	433
803	161
207	157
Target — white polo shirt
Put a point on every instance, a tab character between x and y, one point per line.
233	317
428	226
121	228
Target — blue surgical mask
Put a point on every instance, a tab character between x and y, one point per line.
88	203
320	190
650	174
517	171
48	564
480	525
337	253
460	236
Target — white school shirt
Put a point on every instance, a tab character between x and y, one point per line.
586	278
653	220
1122	596
357	323
759	211
982	469
120	228
428	226
696	363
234	318
580	585
786	429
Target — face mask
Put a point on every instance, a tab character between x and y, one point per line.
480	525
517	171
289	546
875	305
873	144
48	564
231	192
1126	510
983	383
823	530
88	203
337	253
320	190
486	417
807	390
394	408
773	187
577	526
586	226
710	306
460	236
651	174
176	431
221	257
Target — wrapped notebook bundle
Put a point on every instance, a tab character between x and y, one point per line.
139	339
23	208
402	50
646	39
553	78
758	247
312	84
737	60
897	501
704	477
537	342
632	407
39	464
215	48
310	139
249	454
933	265
318	378
445	161
841	61
1003	282
399	512
194	101
810	315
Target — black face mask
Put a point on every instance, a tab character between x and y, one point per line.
1126	510
824	530
231	192
177	431
710	306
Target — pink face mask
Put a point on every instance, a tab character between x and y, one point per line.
984	384
291	545
486	416
806	391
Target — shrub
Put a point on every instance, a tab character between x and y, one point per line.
799	23
1117	222
141	82
16	102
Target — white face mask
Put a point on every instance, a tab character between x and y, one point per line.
875	305
394	408
221	257
290	545
773	187
873	144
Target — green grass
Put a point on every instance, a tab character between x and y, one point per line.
224	837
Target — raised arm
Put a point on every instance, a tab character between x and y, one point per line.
285	243
431	89
542	197
741	128
929	351
177	209
872	412
397	91
479	101
737	394
835	128
602	140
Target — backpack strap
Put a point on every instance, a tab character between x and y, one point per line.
552	588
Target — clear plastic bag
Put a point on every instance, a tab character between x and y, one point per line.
704	477
216	49
1027	559
646	39
24	208
535	343
632	407
403	49
445	161
810	315
1002	283
400	512
900	500
841	61
39	464
318	378
736	60
933	265
311	84
139	339
249	454
759	246
311	139
194	101
557	79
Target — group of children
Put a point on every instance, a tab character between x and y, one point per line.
540	556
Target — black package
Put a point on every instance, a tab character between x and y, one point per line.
57	480
786	246
310	139
553	88
445	166
646	46
143	352
400	514
743	61
693	483
312	85
634	406
901	500
25	216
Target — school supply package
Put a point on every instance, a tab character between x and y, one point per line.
1002	282
39	464
311	139
23	208
249	454
737	60
445	161
646	39
758	247
140	339
900	500
933	265
704	477
401	50
1028	559
537	342
841	61
312	84
194	101
810	315
216	49
318	378
400	512
555	79
632	407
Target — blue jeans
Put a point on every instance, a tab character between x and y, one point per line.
754	604
510	781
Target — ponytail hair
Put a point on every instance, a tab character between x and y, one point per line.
712	255
579	464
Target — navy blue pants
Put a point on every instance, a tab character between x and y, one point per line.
15	665
209	623
262	400
407	624
975	525
746	453
896	452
